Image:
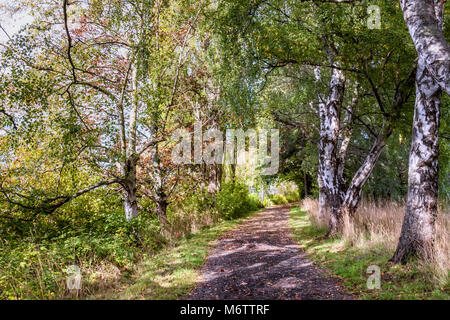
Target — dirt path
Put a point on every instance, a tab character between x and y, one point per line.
259	260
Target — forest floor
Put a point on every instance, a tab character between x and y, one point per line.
259	259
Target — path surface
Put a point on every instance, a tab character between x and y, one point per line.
259	260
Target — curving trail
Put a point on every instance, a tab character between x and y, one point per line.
259	260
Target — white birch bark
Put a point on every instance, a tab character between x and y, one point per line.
418	229
328	148
322	213
353	194
129	170
424	21
346	135
160	194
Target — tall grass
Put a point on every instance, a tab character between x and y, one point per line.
378	225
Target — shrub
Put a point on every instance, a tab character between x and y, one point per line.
94	236
279	199
253	203
267	202
233	200
292	196
191	212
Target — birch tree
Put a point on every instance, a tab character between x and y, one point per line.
425	22
329	114
115	65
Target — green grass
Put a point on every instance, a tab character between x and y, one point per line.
351	263
172	272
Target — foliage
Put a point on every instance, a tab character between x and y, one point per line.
92	91
278	199
34	258
253	203
292	196
233	200
267	202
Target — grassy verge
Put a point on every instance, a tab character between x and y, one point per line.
351	263
172	272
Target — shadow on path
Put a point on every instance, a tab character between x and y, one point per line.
259	260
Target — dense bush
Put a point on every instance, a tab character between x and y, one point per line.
253	203
267	202
292	196
234	200
278	199
94	236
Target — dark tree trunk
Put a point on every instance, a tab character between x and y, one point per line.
219	175
161	211
305	185
130	186
233	173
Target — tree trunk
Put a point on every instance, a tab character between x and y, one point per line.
160	189
161	211
130	204
322	214
130	186
353	193
424	19
233	173
129	167
418	230
305	185
328	145
219	175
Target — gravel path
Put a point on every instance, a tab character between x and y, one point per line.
259	260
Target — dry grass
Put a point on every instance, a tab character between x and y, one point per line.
184	223
379	225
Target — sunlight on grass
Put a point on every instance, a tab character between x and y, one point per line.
350	264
